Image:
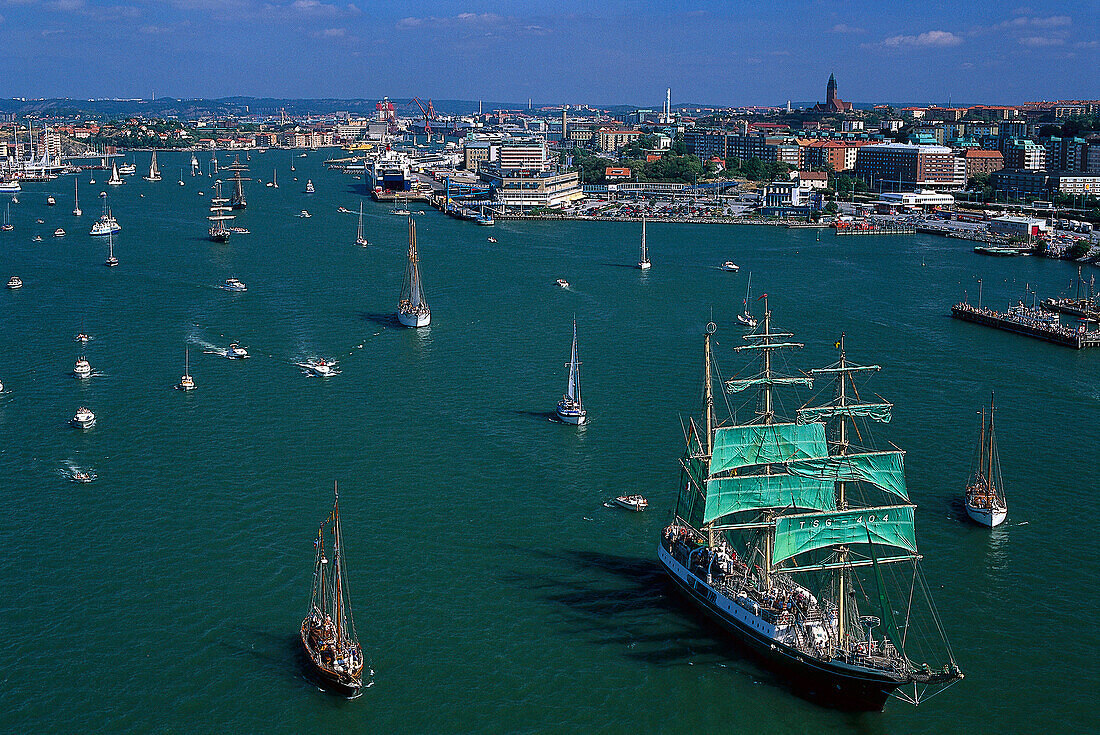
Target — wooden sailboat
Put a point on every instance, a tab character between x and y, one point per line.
746	317
154	172
985	498
360	239
570	408
644	263
328	630
218	231
412	309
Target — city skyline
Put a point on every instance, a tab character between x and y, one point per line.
624	53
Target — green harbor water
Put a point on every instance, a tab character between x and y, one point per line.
492	589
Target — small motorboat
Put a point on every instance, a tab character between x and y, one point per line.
84	419
304	214
40	221
15	282
563	283
81	476
491	239
59	232
82	338
632	502
233	284
50	201
102	195
82	369
730	266
345	210
309	186
236	352
36	238
321	368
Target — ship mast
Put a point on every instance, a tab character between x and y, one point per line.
841	501
336	560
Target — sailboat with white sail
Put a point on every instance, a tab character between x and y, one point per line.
644	263
746	317
360	238
154	172
412	309
111	261
194	165
787	532
570	408
76	198
115	179
985	496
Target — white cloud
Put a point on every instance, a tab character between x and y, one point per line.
926	39
845	28
1041	41
333	33
1029	21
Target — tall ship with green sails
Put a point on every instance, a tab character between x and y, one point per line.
800	542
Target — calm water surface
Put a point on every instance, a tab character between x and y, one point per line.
492	588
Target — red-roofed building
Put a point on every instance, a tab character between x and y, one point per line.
612	173
982	162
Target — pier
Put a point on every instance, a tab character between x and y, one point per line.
876	229
1024	321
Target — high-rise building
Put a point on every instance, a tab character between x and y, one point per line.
908	167
1025	155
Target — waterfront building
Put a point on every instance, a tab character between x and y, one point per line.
476	152
905	166
811	179
832	103
528	155
1018	226
923	200
1021	182
525	189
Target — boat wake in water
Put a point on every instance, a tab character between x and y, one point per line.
72	472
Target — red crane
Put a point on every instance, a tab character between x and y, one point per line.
427	115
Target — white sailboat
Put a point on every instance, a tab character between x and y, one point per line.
194	165
360	239
412	310
115	179
746	317
985	498
570	409
76	198
154	172
111	261
644	263
186	382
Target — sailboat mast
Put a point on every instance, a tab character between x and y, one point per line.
708	389
769	414
336	562
841	502
989	458
645	255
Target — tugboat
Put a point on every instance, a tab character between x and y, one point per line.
782	531
570	410
412	309
328	630
985	496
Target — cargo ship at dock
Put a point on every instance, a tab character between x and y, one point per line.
390	171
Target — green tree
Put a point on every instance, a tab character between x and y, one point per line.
1079	249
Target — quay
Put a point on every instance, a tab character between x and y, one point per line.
1085	308
878	229
1020	320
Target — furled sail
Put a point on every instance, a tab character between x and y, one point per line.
728	495
880	412
884	470
887	526
738	385
742	446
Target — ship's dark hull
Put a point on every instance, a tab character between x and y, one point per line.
329	680
829	684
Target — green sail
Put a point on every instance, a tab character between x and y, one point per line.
875	411
884	470
888	526
736	386
754	492
742	446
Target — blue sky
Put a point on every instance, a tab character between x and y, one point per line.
598	51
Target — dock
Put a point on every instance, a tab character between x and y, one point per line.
1022	321
877	229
